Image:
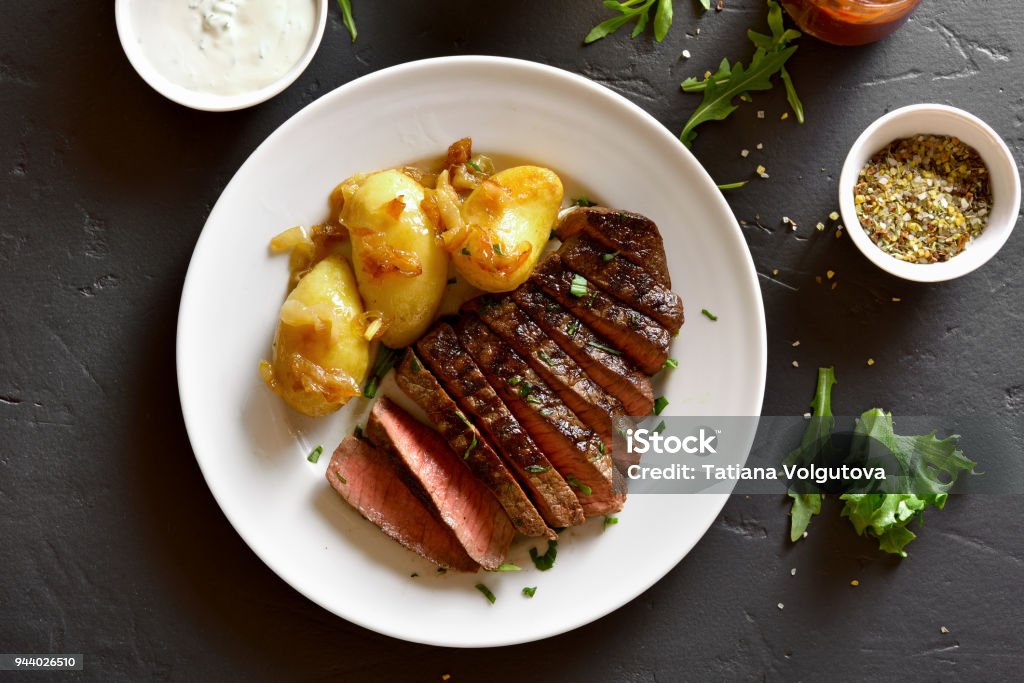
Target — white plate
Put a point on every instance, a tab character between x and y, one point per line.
252	449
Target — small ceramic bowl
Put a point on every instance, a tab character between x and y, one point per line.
936	119
206	101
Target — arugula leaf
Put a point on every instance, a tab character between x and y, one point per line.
816	443
347	19
639	12
737	81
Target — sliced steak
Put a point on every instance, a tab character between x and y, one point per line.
621	278
369	481
419	384
450	363
461	500
634	236
611	371
594	406
576	451
641	340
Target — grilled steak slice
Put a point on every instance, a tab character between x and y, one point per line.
463	503
594	406
422	387
369	481
640	339
575	450
443	354
626	281
620	379
634	236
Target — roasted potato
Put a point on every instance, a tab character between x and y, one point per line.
399	263
320	351
508	221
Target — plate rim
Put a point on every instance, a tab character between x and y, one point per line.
751	283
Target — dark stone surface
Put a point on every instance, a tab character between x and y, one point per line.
112	545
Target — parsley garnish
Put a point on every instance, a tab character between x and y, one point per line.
487	592
578	485
604	347
530	591
524	389
609	521
583	201
346	18
573	327
516	379
730	82
671	363
708	314
508	568
659	404
536	469
578	288
545	357
547	560
609	256
314	455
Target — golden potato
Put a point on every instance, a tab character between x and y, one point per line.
320	354
508	221
399	263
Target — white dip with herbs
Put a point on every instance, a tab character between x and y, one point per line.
224	47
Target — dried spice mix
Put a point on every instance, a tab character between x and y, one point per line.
923	199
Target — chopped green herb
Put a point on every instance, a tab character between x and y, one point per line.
508	568
733	186
465	252
578	485
609	256
536	469
497	249
590	299
347	19
386	359
530	591
583	201
473	444
414	364
533	399
600	447
573	327
708	314
475	166
659	404
545	357
524	389
547	560
604	347
516	379
609	521
660	428
670	364
315	454
578	288
342	479
486	591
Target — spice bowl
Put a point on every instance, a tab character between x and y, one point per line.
939	120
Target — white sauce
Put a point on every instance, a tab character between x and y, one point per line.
224	47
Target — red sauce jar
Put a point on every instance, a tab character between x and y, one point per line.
849	22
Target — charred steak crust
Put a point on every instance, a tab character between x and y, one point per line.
624	280
616	376
594	406
451	490
641	340
419	384
634	236
460	375
369	482
574	449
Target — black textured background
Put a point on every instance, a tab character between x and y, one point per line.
112	546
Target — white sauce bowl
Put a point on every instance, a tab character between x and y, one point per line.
196	99
936	119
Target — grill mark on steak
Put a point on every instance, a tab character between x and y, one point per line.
462	501
634	236
637	337
419	384
624	280
574	449
594	406
631	387
369	482
453	366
